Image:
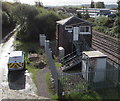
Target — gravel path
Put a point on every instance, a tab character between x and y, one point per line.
14	94
41	83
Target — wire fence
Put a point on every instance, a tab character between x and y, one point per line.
75	82
66	83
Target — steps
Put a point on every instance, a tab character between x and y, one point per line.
70	60
74	58
71	63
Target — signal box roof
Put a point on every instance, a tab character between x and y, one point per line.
73	20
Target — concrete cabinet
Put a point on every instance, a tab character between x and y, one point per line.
93	66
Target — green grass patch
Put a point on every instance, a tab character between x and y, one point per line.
28	47
33	71
58	65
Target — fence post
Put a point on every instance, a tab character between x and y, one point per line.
46	45
52	66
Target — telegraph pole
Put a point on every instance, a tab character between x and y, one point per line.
118	5
0	23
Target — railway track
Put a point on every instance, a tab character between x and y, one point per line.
108	45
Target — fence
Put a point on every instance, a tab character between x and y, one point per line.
74	82
71	82
66	83
53	47
52	65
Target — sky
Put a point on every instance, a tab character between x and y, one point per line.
63	2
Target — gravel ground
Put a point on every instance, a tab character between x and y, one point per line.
14	94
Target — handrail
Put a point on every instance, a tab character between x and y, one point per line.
75	62
70	59
68	55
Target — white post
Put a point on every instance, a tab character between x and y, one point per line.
42	39
61	52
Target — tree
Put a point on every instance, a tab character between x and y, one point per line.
38	4
7	7
47	26
116	27
92	4
24	12
79	15
5	19
102	21
33	21
86	16
25	16
100	5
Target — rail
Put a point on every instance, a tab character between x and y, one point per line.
108	45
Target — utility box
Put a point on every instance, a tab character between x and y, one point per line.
61	52
93	66
42	39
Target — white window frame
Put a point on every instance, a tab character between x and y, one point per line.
85	29
68	28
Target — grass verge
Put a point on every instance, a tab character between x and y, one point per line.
33	71
50	86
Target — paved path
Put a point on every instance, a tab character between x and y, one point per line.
41	83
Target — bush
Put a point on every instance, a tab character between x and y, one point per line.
102	21
91	20
100	28
35	21
46	24
83	95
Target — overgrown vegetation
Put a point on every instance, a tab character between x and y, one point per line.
35	21
8	22
83	96
109	26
